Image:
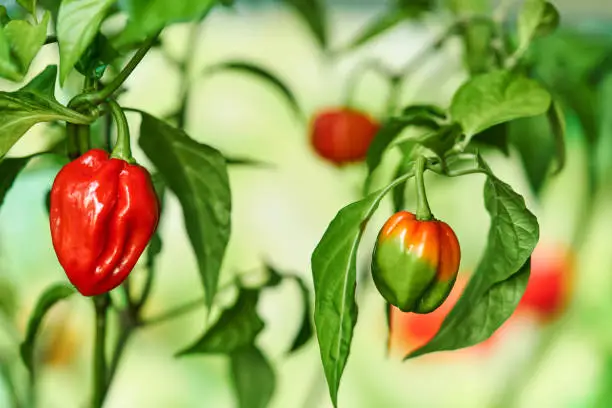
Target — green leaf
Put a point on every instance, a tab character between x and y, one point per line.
306	331
237	327
26	39
146	17
8	298
556	119
375	28
496	97
30	105
8	69
97	57
197	174
29	5
262	74
9	170
536	18
495	136
77	25
500	279
253	377
313	13
335	277
245	161
274	277
50	297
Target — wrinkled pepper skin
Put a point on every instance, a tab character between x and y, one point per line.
103	213
415	263
342	135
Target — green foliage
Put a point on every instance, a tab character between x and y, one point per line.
197	175
237	327
314	15
77	26
46	301
536	18
500	279
147	17
496	97
9	170
262	74
253	377
334	273
32	104
305	332
29	5
25	41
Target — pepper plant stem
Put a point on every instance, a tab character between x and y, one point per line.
122	149
423	212
101	304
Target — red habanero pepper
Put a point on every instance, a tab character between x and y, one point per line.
342	135
103	212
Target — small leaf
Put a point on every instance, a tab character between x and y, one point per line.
8	69
500	280
556	119
253	377
306	330
496	97
9	170
375	28
335	277
50	297
262	74
536	18
29	5
30	105
197	174
313	13
236	328
8	298
77	25
146	17
245	161
26	39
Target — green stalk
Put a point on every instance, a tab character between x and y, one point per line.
122	149
101	304
423	212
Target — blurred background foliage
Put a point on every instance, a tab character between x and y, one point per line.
281	211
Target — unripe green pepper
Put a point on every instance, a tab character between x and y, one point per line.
415	263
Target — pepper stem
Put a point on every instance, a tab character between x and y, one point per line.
423	211
122	149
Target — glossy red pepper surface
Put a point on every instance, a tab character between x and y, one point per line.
103	213
343	135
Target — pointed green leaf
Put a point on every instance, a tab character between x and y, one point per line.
26	39
253	377
496	97
77	25
29	5
8	69
197	174
377	27
146	17
536	18
499	282
314	15
22	109
335	277
262	74
556	119
50	297
237	327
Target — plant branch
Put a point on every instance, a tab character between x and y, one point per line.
101	304
186	68
176	312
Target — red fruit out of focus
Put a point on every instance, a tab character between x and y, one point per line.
342	135
550	283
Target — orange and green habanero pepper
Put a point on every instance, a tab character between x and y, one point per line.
415	263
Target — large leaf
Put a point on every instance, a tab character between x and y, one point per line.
335	276
30	105
313	13
536	18
496	97
306	330
260	73
26	39
78	22
9	170
146	17
253	377
197	174
237	327
45	302
500	280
